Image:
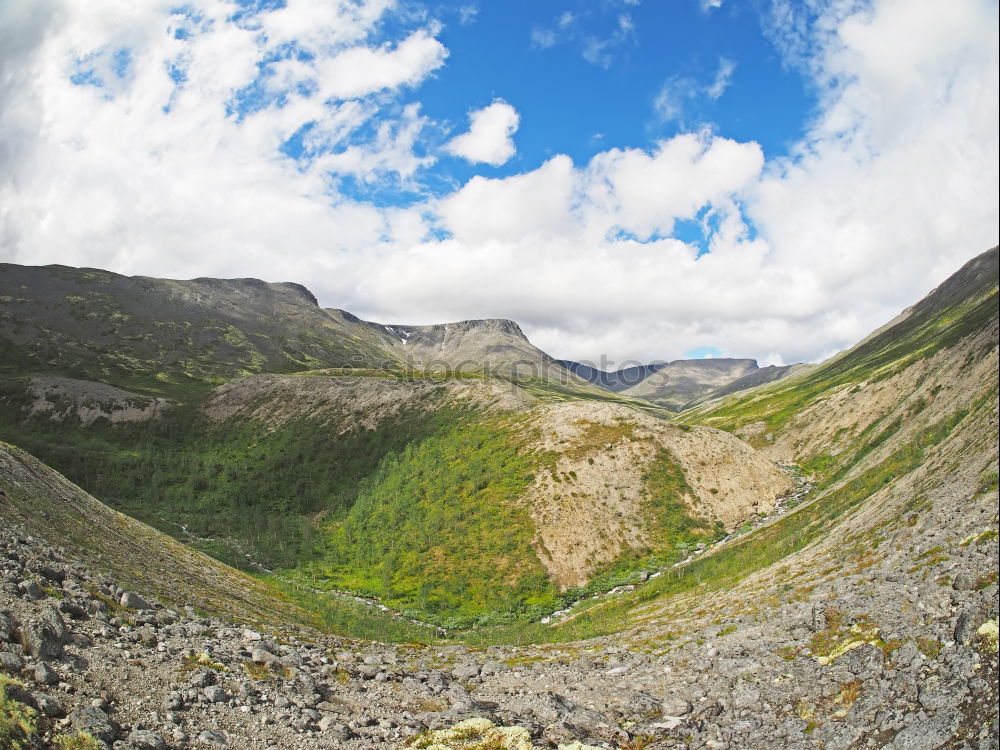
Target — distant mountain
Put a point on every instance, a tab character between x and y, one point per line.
493	345
163	336
752	379
685	380
617	381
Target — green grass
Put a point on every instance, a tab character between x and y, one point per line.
737	560
926	331
18	722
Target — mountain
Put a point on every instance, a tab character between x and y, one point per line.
495	346
163	336
616	381
685	380
682	383
808	562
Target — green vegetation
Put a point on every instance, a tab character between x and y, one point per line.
237	488
737	560
961	307
18	722
80	741
437	528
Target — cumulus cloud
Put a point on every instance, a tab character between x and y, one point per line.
489	138
216	141
362	70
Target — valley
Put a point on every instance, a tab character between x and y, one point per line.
244	458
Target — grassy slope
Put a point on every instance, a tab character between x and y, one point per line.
422	511
167	337
958	320
962	306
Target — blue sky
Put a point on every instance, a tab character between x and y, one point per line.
630	180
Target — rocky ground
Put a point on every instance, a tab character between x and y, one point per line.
900	654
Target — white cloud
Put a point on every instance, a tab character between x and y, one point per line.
362	70
893	187
677	93
596	47
723	77
707	6
489	138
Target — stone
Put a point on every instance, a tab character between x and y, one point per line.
465	672
203	677
46	634
17	692
10	663
132	600
7	627
145	739
45	675
213	737
94	721
51	706
675	706
215	694
31	590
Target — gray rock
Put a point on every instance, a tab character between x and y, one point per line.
965	628
50	705
213	737
262	656
10	663
675	706
31	590
95	722
132	600
215	694
46	634
17	692
203	677
864	660
144	739
465	672
7	627
924	734
45	675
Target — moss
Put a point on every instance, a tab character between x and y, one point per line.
929	647
80	741
18	722
988	637
201	661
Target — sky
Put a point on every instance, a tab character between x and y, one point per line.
630	180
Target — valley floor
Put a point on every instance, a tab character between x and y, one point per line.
900	651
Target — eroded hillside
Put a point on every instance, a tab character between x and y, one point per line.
457	498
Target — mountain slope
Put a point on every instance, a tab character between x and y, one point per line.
161	335
685	380
617	381
934	356
48	506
